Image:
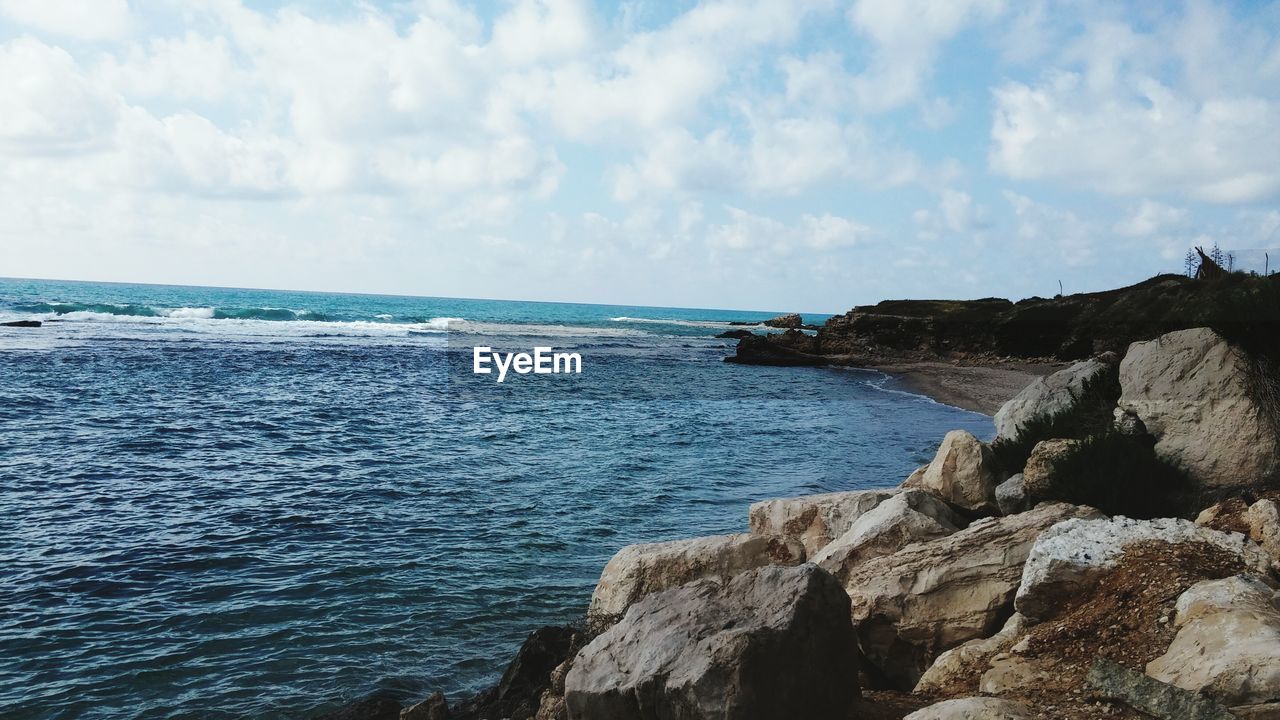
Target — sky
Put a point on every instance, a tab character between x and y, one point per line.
801	155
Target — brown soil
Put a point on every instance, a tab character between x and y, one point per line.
1119	619
1231	516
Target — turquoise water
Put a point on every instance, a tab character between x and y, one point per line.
239	503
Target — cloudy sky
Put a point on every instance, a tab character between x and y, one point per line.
764	154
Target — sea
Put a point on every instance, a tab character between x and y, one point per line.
228	503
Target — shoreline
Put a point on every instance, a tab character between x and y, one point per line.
977	388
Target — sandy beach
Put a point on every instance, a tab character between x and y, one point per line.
981	388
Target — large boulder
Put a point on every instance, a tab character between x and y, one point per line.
930	597
1192	392
1228	642
1046	396
771	643
910	516
1011	496
975	708
1038	475
638	570
963	473
1072	556
1158	699
814	520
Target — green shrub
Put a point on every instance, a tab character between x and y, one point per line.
1121	475
1091	413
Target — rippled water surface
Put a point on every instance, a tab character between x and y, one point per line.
233	504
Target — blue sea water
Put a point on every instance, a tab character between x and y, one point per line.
220	503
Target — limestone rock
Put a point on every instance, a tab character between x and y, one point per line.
770	643
1228	642
814	520
1190	389
963	472
1264	527
930	597
1037	476
1070	557
1046	396
1151	696
1011	496
974	708
638	570
911	516
963	661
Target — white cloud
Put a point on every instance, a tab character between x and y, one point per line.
956	214
1113	117
1150	218
907	35
84	19
1045	227
537	30
190	67
47	106
747	231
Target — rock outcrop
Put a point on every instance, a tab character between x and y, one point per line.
770	643
963	473
814	520
1192	391
910	516
1228	642
1151	696
974	708
786	322
638	570
929	597
1047	396
1069	558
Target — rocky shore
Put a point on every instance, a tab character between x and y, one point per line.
1112	553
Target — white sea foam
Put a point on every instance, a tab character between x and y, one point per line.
187	312
682	323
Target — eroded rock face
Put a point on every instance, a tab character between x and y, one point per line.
638	570
927	598
974	708
1070	557
1046	396
814	520
1228	642
770	643
1190	389
911	516
963	473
